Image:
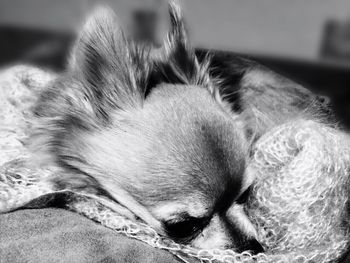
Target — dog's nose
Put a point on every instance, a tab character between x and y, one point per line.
252	245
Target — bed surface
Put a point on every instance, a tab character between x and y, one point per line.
58	235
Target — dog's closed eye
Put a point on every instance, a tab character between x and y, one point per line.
185	228
243	198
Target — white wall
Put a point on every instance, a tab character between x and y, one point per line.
277	27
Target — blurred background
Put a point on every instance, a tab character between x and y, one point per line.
307	41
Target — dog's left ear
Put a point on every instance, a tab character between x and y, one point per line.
110	66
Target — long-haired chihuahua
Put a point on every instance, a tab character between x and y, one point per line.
152	129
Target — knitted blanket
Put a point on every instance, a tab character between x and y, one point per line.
300	203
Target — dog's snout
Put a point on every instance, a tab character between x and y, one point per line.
253	246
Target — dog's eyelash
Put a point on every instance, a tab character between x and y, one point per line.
243	198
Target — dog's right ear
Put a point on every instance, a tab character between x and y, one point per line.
176	62
111	68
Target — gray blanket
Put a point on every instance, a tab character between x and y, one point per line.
57	235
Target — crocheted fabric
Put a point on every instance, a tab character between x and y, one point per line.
300	203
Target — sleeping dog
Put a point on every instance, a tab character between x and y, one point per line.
164	133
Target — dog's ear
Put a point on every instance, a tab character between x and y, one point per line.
110	66
177	61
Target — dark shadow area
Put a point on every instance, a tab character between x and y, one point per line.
38	47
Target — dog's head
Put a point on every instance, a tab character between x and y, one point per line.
149	128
